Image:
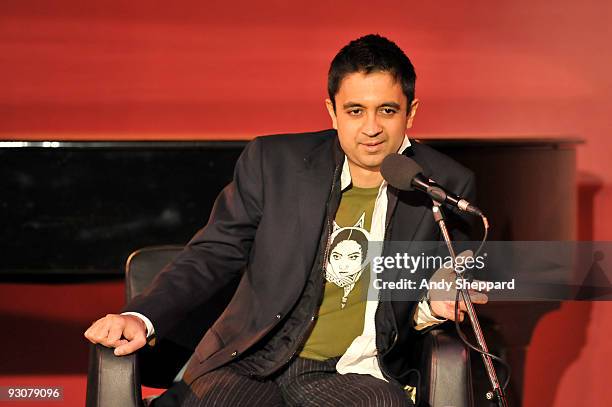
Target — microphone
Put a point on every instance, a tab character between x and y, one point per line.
405	174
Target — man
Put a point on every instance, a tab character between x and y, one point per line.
298	331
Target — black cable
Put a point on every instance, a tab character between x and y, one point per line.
465	340
460	333
485	223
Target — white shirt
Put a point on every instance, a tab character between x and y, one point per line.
360	357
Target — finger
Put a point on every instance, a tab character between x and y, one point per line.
120	342
478	297
110	331
114	333
134	327
461	316
448	310
98	331
90	333
131	346
463	307
482	285
466	253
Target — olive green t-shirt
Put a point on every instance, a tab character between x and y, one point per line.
341	315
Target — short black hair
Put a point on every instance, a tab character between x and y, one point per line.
367	54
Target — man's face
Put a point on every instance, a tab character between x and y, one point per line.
372	115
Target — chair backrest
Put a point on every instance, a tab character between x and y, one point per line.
144	264
159	364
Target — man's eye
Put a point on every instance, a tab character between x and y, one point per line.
388	111
335	256
354	112
354	256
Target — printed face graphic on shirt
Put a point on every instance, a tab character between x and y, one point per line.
346	258
347	255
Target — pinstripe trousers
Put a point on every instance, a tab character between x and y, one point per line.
303	382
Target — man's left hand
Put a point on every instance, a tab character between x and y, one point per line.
442	302
446	308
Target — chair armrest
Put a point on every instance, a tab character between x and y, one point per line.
446	378
112	380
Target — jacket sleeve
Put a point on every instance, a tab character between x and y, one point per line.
215	255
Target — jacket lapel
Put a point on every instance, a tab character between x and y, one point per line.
413	207
315	181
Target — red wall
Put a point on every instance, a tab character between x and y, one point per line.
148	69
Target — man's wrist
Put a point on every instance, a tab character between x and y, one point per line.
425	317
427	300
150	331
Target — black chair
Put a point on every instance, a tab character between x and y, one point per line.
116	381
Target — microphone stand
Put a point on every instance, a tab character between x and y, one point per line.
497	392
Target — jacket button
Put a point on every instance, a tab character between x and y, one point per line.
278	316
234	353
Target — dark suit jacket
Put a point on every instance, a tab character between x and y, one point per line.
265	226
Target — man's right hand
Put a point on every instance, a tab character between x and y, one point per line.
125	333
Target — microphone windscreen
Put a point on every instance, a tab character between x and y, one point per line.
399	170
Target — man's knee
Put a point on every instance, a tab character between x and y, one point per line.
345	390
224	388
380	393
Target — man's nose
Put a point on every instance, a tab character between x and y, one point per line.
371	127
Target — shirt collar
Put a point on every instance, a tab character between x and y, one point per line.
345	177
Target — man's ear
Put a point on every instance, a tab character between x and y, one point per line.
413	108
332	113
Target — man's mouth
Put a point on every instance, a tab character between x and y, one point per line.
372	146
